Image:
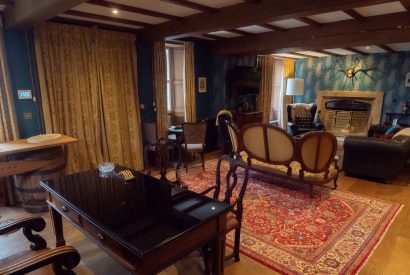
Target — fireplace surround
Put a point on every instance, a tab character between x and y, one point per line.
349	112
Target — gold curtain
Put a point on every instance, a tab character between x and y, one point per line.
8	121
190	103
288	72
160	92
86	89
264	103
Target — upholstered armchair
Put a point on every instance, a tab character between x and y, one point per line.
301	118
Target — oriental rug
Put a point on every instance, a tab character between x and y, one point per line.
283	228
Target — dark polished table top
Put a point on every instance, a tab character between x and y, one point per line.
141	214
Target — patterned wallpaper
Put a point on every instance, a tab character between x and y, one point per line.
386	73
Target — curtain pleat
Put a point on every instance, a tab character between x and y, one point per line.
88	91
160	92
8	120
264	103
190	103
288	72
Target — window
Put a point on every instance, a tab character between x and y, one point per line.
175	57
277	85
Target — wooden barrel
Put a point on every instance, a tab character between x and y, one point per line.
27	185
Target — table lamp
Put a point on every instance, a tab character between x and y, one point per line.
294	86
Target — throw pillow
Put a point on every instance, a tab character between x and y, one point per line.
392	129
303	122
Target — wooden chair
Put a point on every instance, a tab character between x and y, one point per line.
233	131
235	182
194	140
62	258
167	154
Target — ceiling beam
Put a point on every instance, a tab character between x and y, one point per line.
326	52
354	14
272	28
386	48
240	32
106	18
26	14
355	51
246	14
252	1
191	5
73	21
309	21
303	55
211	36
406	4
6	2
327	36
132	9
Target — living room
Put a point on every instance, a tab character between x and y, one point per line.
119	81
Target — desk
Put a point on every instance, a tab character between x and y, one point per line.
145	224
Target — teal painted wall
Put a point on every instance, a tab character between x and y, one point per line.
145	84
387	75
202	62
23	76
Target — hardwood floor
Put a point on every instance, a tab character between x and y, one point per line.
391	257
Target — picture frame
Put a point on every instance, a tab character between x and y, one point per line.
407	83
202	84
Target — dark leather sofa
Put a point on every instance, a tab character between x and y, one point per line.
376	158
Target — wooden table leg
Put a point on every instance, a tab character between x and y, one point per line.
218	247
58	226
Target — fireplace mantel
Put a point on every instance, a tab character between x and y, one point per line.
374	98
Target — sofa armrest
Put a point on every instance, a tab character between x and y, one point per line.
292	128
369	145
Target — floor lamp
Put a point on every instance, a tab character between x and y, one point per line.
294	87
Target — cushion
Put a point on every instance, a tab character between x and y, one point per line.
388	136
392	129
303	122
403	132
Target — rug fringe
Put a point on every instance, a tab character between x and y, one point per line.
379	241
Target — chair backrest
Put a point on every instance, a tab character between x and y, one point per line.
235	179
301	109
149	132
316	151
233	131
194	133
268	143
167	154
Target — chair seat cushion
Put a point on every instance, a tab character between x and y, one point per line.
196	146
231	222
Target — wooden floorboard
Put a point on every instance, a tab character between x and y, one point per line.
391	257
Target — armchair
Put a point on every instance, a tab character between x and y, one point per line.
301	118
63	258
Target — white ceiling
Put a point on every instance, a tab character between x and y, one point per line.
370	49
381	9
254	29
330	17
225	34
288	24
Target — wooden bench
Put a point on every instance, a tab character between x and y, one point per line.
270	149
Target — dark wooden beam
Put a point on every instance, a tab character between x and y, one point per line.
26	14
107	18
406	4
132	9
386	48
309	21
240	32
252	1
273	28
326	52
73	21
355	51
246	14
342	34
211	36
191	5
354	14
6	2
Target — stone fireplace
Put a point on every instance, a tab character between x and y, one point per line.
349	112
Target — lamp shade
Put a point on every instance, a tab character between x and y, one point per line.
294	86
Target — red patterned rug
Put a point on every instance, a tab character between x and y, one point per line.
283	228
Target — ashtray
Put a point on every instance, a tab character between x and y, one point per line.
106	167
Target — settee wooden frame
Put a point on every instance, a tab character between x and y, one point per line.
296	155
